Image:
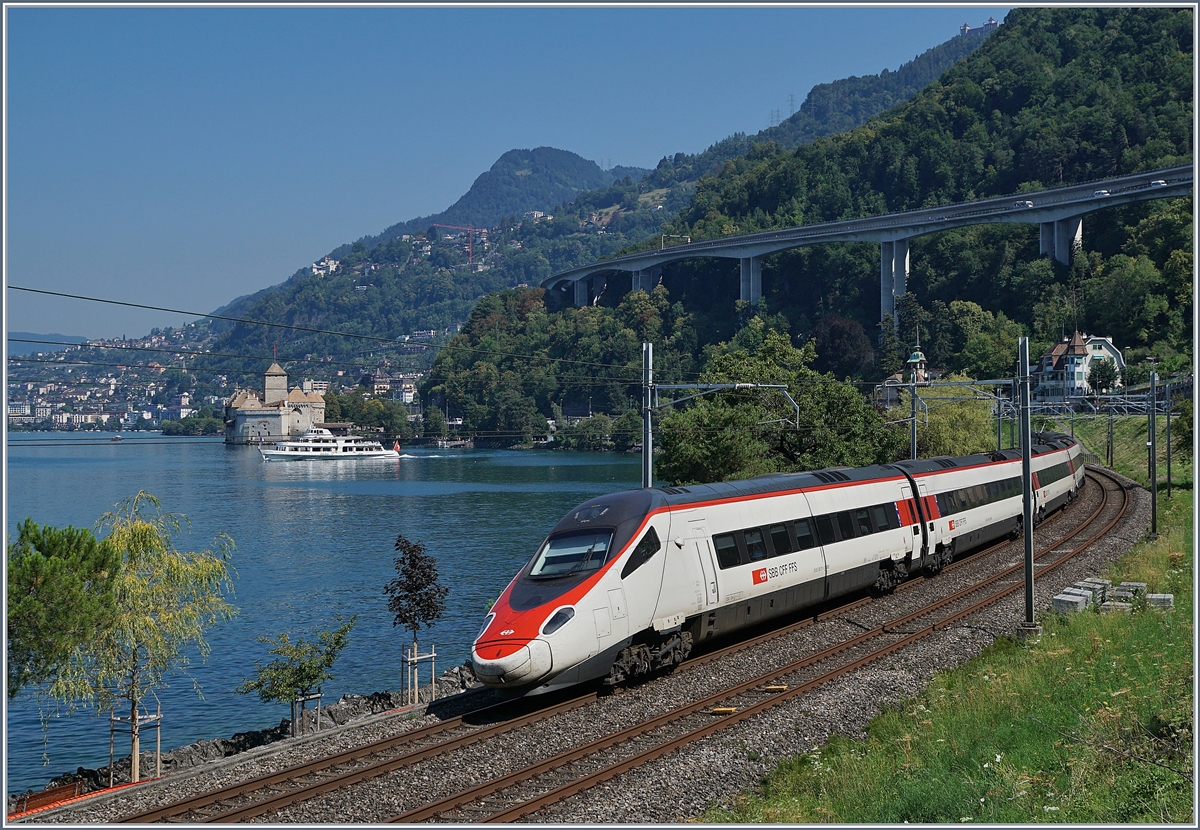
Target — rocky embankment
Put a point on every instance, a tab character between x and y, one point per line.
346	710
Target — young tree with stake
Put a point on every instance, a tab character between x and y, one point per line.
300	666
165	602
415	596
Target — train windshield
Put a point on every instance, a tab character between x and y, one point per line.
571	554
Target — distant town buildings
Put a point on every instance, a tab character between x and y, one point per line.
326	265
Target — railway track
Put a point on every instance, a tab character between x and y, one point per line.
526	791
533	787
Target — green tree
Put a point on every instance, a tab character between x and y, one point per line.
739	434
299	667
627	430
950	427
333	407
1102	376
433	422
60	594
166	600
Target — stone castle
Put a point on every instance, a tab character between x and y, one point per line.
276	415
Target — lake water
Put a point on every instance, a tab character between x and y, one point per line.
314	539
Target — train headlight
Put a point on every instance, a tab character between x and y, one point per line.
561	617
486	622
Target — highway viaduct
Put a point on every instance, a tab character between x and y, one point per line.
1058	211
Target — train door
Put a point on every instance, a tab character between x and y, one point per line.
928	504
703	547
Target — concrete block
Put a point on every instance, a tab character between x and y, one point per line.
1069	603
1097	591
1079	592
1161	600
1135	587
1119	595
1107	583
1112	607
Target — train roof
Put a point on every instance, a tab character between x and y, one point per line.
627	504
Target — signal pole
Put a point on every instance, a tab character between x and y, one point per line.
1152	448
1029	628
647	415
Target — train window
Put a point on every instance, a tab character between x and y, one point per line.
571	553
756	548
804	535
643	553
727	551
846	524
880	513
780	540
862	518
824	526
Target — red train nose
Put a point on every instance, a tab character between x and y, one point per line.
505	664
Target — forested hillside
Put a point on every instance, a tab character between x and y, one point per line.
1053	96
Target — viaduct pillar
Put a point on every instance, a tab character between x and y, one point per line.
1061	238
581	293
893	276
751	279
646	279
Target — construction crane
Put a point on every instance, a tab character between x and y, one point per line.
470	238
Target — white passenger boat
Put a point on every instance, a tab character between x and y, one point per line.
321	443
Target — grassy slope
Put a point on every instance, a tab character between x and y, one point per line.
1092	723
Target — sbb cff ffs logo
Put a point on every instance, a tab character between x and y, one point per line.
760	576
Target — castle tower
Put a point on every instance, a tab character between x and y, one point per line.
274	385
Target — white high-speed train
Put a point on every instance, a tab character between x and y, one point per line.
628	582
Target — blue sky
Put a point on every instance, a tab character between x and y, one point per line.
182	157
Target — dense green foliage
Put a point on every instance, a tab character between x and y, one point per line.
515	362
739	434
60	593
206	421
389	418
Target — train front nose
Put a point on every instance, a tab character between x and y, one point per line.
509	664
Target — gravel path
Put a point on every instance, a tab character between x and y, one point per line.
730	763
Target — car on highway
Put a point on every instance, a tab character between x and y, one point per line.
1022	204
1158	183
1100	193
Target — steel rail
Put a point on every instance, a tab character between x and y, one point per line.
458	800
291	773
